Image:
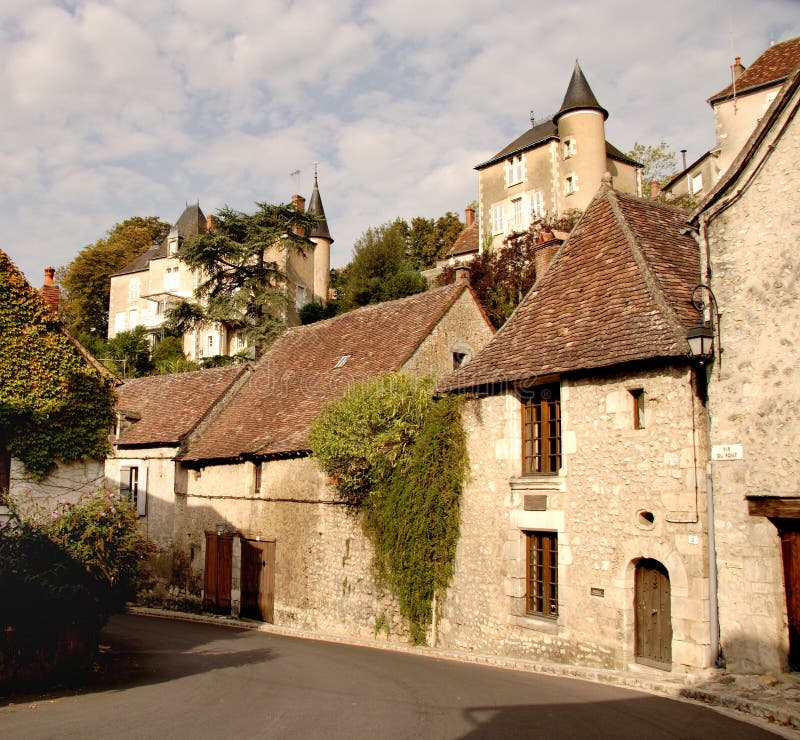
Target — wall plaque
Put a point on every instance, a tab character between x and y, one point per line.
535	502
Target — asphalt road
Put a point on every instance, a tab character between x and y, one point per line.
162	679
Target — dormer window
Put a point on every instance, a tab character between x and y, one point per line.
173	241
515	170
568	148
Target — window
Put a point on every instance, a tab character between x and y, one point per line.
637	395
300	297
171	278
133	318
541	573
571	184
258	477
498	220
119	322
210	341
537	204
516	205
160	308
132	485
541	429
515	170
342	360
568	148
458	359
133	289
697	182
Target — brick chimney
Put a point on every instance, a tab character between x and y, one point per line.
50	291
462	273
299	203
655	189
469	215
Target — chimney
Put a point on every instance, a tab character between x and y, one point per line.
299	203
655	189
683	158
462	273
737	68
469	215
50	291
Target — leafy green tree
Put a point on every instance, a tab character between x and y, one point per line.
380	270
86	280
660	163
168	356
244	288
429	240
128	353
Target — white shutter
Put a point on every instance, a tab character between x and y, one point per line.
141	498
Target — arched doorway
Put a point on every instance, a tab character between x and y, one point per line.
653	615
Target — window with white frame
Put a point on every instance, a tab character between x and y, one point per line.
498	219
133	289
119	322
570	184
133	318
568	148
517	217
300	296
133	485
697	182
515	170
171	277
537	204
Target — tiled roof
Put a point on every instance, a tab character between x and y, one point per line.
614	153
772	67
534	136
579	96
168	407
271	413
320	229
189	224
618	290
466	242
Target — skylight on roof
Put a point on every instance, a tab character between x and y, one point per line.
342	360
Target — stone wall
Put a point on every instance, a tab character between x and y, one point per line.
68	482
754	398
611	473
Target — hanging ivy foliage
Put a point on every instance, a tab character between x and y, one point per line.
400	459
54	405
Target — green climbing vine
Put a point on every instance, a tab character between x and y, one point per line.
400	459
53	404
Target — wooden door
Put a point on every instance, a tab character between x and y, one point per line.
653	615
218	572
258	579
790	549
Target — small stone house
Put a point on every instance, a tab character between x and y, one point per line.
255	517
748	229
584	521
554	166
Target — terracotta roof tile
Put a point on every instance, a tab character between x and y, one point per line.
772	67
271	413
466	242
618	290
168	407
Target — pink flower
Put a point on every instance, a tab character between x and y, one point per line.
113	510
54	515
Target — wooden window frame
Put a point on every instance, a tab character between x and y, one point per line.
541	574
129	482
637	395
541	429
257	478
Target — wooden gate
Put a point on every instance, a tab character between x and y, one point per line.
258	579
790	549
218	572
653	615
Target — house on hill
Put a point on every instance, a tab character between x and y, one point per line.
142	290
583	535
738	108
554	166
748	231
246	490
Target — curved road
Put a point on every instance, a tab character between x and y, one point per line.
169	679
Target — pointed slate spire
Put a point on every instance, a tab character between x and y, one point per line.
579	96
320	229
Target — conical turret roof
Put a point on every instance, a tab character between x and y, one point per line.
320	229
579	96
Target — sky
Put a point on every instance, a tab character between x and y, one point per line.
137	107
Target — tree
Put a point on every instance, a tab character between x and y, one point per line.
660	164
429	240
244	287
86	280
128	353
502	277
379	270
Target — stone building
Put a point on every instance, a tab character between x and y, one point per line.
584	521
555	166
143	289
242	487
748	230
738	108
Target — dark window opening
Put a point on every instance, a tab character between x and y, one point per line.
129	483
458	359
541	581
637	394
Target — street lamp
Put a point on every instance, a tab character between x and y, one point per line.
701	341
702	335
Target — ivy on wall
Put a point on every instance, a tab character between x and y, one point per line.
54	405
400	459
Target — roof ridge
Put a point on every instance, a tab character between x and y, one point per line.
646	271
655	202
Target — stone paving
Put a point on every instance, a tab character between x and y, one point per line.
772	698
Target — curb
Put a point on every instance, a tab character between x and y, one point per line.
757	709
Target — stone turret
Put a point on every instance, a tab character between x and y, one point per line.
581	129
321	236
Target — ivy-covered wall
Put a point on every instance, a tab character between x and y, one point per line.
54	404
